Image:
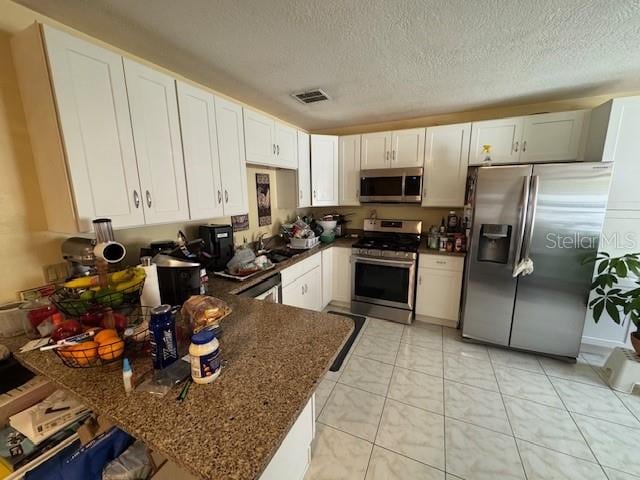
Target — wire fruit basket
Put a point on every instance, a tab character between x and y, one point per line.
76	302
109	346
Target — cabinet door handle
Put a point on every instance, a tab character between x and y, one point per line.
300	194
136	199
314	194
393	156
148	195
226	196
386	156
302	289
524	146
515	146
278	150
219	196
306	288
274	148
419	279
440	262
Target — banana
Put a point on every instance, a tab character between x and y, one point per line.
121	276
82	282
138	277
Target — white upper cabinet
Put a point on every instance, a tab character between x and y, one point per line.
349	170
613	137
324	170
376	150
232	158
286	146
407	148
547	137
91	97
260	144
551	137
304	171
445	165
503	136
156	134
400	148
268	142
200	146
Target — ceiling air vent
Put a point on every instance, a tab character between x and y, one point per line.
311	96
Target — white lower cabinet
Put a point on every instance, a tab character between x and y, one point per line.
341	282
327	276
292	459
438	288
302	284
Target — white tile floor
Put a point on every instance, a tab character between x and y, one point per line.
416	402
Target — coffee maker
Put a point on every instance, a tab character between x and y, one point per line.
218	243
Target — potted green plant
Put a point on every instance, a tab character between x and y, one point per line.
619	304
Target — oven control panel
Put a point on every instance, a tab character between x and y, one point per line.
390	254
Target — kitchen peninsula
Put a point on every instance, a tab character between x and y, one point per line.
274	357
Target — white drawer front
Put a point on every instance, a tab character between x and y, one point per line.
441	262
295	271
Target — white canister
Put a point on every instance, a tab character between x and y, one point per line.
205	357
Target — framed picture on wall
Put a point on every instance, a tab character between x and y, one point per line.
240	222
263	193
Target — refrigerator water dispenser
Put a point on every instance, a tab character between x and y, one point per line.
494	243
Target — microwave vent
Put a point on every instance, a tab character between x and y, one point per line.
311	96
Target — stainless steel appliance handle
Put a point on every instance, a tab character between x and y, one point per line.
148	195
383	261
136	199
522	223
535	181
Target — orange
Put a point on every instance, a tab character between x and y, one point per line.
111	349
83	353
105	335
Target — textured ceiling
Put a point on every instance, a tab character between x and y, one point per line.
379	60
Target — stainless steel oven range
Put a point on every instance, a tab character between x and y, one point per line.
383	266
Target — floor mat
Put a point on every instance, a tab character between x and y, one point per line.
359	323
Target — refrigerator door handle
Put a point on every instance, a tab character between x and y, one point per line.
535	184
524	205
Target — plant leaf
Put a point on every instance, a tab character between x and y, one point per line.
597	310
613	311
603	266
621	269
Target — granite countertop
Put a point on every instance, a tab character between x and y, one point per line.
273	358
432	251
221	285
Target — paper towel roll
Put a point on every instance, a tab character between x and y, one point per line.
151	291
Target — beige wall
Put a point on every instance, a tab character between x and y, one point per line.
356	215
25	244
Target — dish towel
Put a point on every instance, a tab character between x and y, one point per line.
525	267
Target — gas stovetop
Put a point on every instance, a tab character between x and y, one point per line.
399	243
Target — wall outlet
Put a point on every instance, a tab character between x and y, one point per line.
55	272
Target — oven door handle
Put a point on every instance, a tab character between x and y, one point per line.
383	261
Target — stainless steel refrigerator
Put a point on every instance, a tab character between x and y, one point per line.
552	214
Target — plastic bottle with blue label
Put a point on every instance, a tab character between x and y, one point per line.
205	357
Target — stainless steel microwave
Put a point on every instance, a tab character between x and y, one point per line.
391	185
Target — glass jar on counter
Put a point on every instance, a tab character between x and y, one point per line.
37	316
